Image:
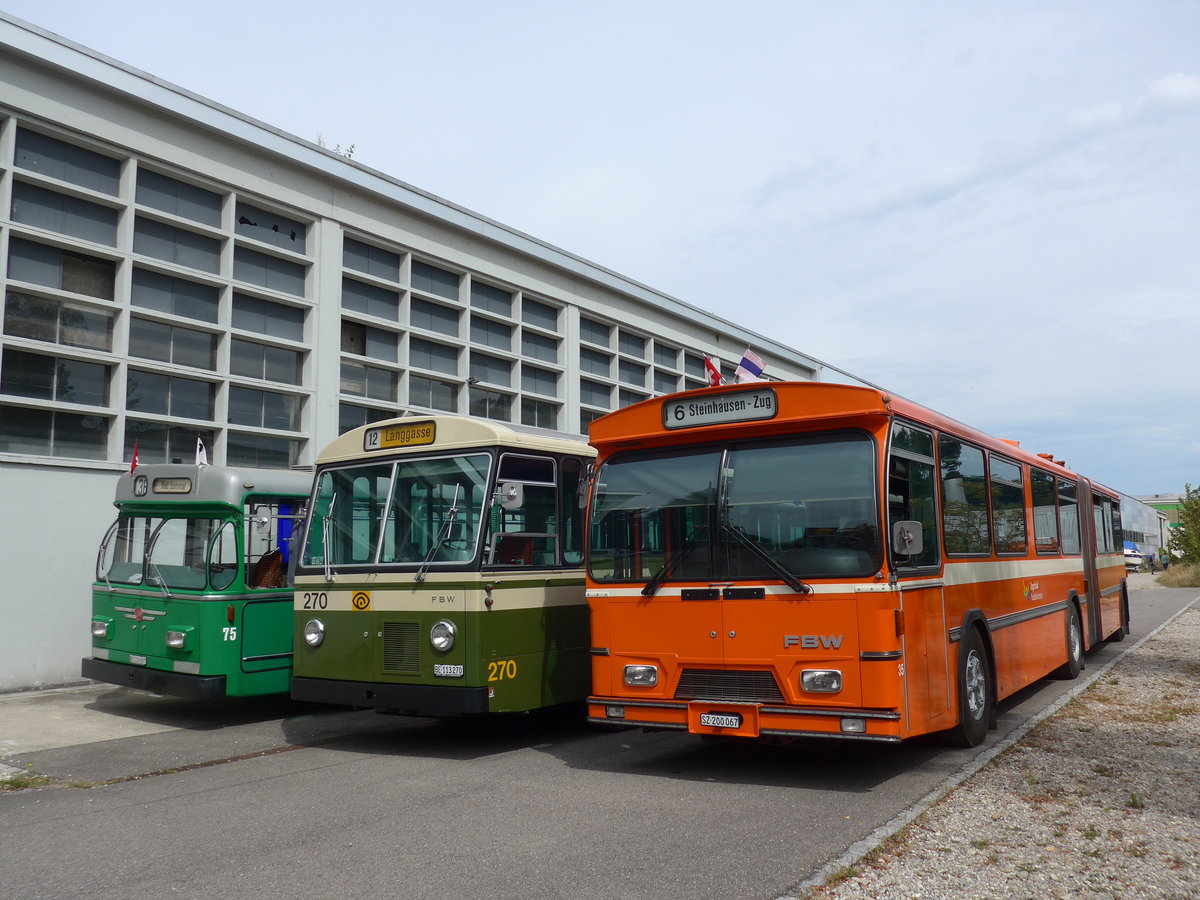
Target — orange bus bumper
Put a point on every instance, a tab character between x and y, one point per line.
751	720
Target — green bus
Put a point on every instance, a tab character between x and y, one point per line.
191	597
442	570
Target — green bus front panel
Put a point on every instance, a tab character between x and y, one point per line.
243	653
519	659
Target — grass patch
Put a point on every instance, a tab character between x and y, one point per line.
23	780
1181	575
844	873
1164	711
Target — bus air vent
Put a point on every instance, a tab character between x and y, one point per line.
401	647
715	684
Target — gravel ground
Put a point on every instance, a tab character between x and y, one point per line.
1100	800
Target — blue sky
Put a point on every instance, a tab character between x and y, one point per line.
991	209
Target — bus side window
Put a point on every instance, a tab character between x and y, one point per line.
912	492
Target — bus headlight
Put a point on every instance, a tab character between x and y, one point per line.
821	681
641	676
442	635
314	632
99	629
176	639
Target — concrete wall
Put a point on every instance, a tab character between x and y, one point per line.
52	522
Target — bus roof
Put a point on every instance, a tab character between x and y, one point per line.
713	411
450	433
175	482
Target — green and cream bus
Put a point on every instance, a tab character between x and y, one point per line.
442	570
191	596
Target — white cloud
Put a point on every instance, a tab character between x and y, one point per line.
1106	115
1178	89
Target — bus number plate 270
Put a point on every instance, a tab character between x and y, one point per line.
721	720
444	670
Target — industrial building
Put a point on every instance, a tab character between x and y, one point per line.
175	271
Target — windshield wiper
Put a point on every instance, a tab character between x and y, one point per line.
672	560
325	520
444	533
789	577
157	578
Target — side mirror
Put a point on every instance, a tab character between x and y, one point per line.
907	538
512	495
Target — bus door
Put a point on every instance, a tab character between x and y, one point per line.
914	537
1089	538
928	685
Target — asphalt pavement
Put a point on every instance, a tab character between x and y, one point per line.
91	735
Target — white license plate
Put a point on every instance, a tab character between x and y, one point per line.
447	671
721	720
135	660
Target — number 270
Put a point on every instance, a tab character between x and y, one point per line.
502	670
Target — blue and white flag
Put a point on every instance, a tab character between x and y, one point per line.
750	368
201	453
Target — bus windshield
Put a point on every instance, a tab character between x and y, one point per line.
176	552
805	506
407	512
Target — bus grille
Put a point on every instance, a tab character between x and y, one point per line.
716	684
401	647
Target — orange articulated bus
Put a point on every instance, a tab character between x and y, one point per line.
780	559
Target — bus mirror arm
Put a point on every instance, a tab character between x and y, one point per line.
585	484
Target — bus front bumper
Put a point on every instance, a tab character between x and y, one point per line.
172	684
401	699
749	720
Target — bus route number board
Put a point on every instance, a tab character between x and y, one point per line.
720	409
409	434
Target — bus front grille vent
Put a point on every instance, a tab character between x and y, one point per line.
401	647
716	684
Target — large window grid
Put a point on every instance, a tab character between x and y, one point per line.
54	321
64	212
466	342
203	279
152	308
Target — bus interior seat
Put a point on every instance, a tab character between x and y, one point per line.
268	571
514	550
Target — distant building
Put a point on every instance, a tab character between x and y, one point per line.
1143	524
1168	504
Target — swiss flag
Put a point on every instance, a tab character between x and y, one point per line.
714	374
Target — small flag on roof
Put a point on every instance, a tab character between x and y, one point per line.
201	453
714	372
134	463
750	368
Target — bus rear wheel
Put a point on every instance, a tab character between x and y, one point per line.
974	693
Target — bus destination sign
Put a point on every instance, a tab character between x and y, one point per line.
408	434
172	486
720	409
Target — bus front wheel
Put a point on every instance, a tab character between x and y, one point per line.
974	693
